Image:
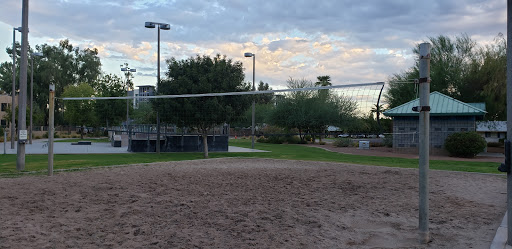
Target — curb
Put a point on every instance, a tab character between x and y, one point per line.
500	239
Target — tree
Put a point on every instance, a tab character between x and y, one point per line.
110	112
79	112
264	98
323	81
145	114
378	110
62	65
310	111
202	74
460	69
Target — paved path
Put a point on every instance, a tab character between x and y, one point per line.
40	146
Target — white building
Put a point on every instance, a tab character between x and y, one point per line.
492	131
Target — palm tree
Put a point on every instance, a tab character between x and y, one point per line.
323	81
378	109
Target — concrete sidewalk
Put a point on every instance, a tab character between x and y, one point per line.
40	146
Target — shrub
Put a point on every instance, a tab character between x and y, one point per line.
342	142
388	141
275	140
292	139
376	144
321	143
307	138
302	142
262	140
55	135
464	144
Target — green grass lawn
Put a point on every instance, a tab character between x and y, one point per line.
277	151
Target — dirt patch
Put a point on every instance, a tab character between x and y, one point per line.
247	203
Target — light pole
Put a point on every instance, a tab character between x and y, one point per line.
13	93
254	89
128	71
32	93
22	98
164	26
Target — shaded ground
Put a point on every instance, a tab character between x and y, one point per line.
247	203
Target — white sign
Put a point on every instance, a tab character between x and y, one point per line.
364	145
23	135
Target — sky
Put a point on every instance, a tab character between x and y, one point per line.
351	41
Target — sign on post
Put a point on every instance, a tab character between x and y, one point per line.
23	135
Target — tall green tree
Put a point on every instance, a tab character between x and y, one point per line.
144	114
311	111
323	81
79	112
202	74
461	69
264	98
110	112
61	65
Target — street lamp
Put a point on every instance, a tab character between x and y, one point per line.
32	93
164	26
128	71
254	89
13	93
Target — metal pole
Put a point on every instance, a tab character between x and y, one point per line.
509	118
253	101
157	133
13	93
424	143
157	84
51	129
128	112
22	98
31	97
5	140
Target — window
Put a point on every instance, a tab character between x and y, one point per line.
463	129
451	129
401	128
401	145
3	123
487	134
413	145
438	129
3	107
412	129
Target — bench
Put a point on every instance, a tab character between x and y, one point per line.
82	143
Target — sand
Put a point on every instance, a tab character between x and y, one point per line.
247	203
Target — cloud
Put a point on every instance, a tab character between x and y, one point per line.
352	41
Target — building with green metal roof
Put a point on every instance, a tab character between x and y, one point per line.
447	116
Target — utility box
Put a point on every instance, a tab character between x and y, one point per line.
116	142
364	145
